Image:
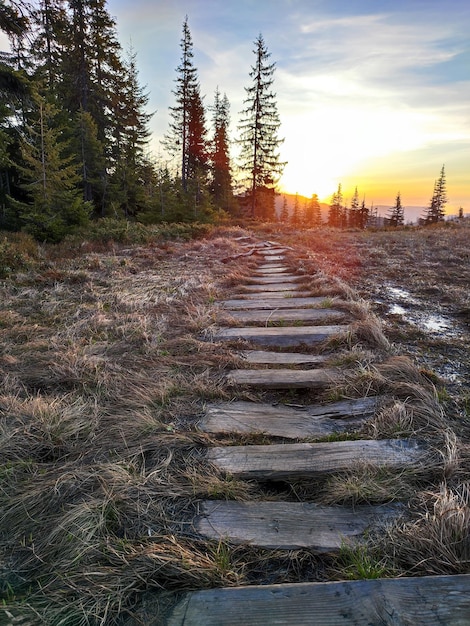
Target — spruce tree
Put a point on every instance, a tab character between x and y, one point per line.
188	102
221	183
49	177
259	156
131	136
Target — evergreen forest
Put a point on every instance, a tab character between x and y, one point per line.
74	135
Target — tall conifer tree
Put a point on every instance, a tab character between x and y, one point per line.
181	139
259	126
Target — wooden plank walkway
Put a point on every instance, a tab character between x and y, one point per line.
285	378
263	316
276	294
291	525
425	601
284	337
285	421
305	460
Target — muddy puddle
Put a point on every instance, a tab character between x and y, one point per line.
426	317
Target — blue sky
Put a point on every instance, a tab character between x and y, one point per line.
370	94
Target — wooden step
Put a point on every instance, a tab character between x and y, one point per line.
273	302
290	525
267	252
285	378
278	286
286	295
269	257
277	279
272	268
304	460
264	316
287	421
287	336
422	601
282	358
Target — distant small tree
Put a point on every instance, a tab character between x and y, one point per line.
353	217
436	210
312	212
295	217
397	214
335	213
284	215
363	214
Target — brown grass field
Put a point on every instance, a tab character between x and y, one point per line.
106	364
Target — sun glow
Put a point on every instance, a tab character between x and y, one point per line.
324	147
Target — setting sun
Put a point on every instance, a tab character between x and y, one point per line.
328	146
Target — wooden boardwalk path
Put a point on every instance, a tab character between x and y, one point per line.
278	311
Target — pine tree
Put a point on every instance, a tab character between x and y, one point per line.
259	156
335	213
221	183
397	215
436	209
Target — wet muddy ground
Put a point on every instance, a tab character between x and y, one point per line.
421	291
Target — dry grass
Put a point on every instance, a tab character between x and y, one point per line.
105	373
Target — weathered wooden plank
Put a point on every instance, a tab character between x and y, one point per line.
287	336
290	525
282	358
267	295
285	421
289	286
272	268
269	251
264	316
284	378
423	601
277	279
272	258
303	460
272	302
